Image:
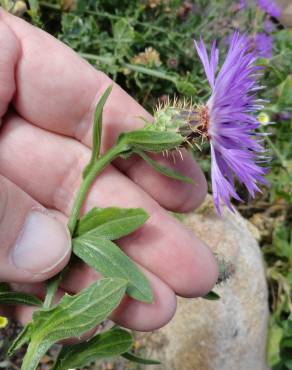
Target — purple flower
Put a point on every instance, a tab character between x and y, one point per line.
228	120
270	7
242	4
263	44
269	26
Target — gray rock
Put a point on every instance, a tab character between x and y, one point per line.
286	12
229	334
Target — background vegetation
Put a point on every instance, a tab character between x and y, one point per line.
147	47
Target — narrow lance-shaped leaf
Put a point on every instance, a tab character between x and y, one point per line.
162	169
72	317
97	130
22	338
212	296
151	141
9	297
108	259
111	343
140	360
111	223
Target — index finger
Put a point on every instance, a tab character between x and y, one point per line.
58	91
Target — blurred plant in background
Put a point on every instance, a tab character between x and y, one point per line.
146	46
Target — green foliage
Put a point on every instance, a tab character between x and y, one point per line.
97	130
112	223
94	246
162	169
72	317
279	258
9	297
212	296
150	140
111	343
115	36
140	360
280	345
22	338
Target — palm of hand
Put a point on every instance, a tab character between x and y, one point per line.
44	144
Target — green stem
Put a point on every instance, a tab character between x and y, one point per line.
99	165
277	153
149	72
95	57
133	67
52	286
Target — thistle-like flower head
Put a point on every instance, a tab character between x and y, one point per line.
229	120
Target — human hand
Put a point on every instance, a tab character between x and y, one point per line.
45	143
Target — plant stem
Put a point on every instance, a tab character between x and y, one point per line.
149	72
52	286
133	67
99	165
277	153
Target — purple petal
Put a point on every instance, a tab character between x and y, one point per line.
236	149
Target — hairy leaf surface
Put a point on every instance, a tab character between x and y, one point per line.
108	259
9	297
151	141
111	343
112	222
72	317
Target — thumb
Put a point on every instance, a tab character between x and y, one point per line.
34	243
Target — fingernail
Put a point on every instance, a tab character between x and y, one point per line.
43	243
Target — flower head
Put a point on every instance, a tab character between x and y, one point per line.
229	121
270	7
242	4
263	44
269	26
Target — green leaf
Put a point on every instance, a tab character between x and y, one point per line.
111	223
140	360
22	338
4	287
9	297
274	339
185	87
164	170
151	141
34	8
285	94
72	317
108	259
108	344
212	296
124	35
97	130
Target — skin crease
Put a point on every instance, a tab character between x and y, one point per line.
55	135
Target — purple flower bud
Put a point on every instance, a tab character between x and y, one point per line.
270	7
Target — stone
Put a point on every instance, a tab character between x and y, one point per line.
229	334
286	12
